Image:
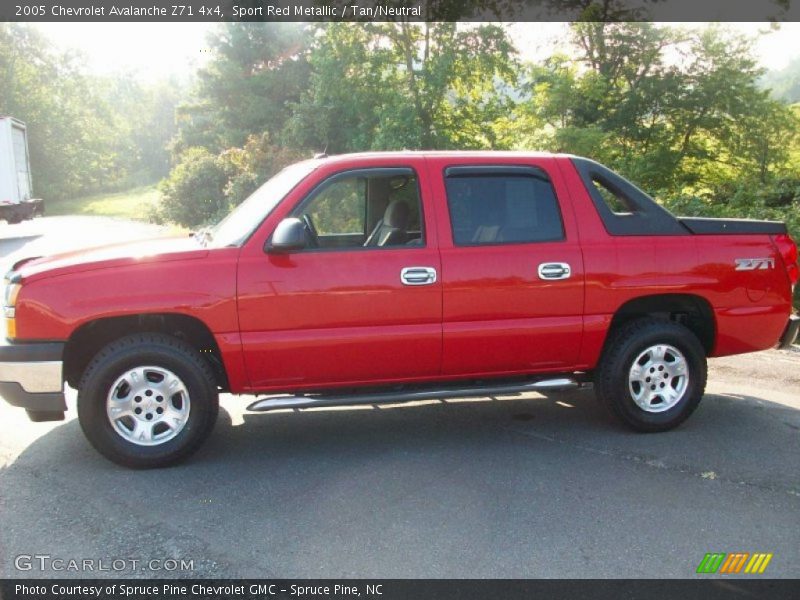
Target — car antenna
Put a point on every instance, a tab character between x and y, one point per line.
323	154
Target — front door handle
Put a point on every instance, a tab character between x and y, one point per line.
418	275
554	271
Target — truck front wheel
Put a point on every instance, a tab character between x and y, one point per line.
652	374
147	400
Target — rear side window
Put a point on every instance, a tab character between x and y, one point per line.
624	208
502	205
614	199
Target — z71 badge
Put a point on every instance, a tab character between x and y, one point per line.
752	264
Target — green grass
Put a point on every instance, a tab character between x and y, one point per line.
132	204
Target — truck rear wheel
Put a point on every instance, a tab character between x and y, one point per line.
147	400
652	374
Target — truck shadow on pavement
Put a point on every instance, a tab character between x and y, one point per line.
341	492
723	426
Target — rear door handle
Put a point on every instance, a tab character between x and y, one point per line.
418	275
552	271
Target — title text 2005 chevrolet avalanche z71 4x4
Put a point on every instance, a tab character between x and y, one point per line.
389	277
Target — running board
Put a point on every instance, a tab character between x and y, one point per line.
280	402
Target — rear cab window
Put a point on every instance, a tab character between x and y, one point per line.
502	204
624	209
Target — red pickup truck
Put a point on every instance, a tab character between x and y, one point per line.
389	277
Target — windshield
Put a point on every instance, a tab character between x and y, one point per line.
243	220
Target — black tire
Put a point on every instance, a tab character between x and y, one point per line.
611	379
156	350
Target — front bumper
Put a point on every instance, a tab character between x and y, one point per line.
31	377
790	333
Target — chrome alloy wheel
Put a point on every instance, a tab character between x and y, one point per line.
148	406
658	378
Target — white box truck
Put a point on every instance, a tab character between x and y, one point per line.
16	201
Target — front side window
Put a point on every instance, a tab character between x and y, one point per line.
341	208
368	208
496	205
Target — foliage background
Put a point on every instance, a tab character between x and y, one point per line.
687	114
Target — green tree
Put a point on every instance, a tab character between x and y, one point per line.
69	139
406	85
351	85
257	71
669	108
142	118
85	133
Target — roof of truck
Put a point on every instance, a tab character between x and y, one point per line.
493	154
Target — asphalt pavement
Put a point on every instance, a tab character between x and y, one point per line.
531	486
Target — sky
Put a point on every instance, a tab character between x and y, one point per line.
151	49
154	50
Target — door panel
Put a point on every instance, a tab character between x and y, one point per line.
339	316
500	316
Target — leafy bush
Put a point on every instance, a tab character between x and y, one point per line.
194	192
776	201
203	188
251	165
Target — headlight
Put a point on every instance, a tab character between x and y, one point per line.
12	291
9	308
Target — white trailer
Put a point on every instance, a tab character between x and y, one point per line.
16	189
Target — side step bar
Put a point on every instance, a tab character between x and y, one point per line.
280	402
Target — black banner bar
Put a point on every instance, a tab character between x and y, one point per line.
392	10
398	589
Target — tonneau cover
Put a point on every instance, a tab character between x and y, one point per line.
704	226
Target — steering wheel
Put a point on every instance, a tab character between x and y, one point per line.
313	236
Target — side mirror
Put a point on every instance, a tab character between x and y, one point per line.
289	235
